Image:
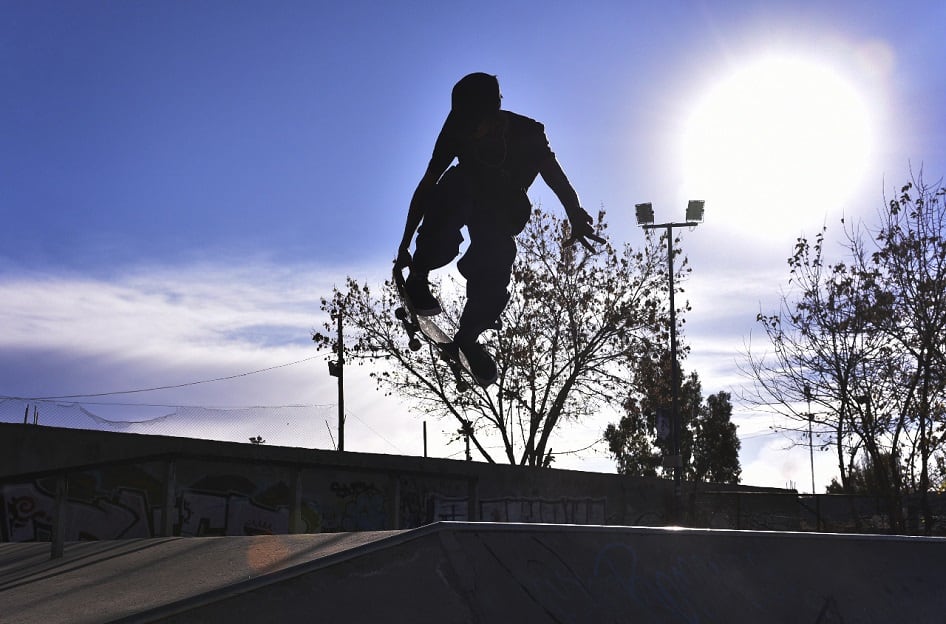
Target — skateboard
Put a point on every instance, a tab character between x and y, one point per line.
421	329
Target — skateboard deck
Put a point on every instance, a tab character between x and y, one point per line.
421	329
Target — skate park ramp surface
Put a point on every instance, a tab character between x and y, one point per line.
483	572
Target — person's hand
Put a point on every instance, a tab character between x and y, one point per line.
582	230
403	259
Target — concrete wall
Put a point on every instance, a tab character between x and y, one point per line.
125	485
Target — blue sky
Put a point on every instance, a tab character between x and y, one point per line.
181	181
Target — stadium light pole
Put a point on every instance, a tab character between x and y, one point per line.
645	219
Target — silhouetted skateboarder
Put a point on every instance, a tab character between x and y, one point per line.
499	154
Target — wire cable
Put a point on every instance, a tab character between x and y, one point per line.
183	385
374	431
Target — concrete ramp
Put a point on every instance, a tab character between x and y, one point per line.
476	572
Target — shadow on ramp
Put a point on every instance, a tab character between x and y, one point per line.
480	572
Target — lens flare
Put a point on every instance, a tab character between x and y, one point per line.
782	140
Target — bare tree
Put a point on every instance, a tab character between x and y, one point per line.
820	342
911	258
861	340
573	327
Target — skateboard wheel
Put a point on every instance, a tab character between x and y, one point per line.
400	314
462	386
414	344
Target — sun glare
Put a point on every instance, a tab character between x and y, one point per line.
781	141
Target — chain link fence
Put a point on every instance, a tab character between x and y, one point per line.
305	426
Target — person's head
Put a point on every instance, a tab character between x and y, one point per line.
475	97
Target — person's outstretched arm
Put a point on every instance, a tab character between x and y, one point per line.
581	222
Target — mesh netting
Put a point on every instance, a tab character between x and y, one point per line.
306	426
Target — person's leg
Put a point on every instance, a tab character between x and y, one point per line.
438	240
487	267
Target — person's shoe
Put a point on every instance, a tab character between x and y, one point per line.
418	292
482	365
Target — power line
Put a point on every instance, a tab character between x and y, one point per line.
758	434
184	385
374	431
208	407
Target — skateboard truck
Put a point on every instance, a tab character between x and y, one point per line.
414	343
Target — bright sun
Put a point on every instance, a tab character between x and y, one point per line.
781	141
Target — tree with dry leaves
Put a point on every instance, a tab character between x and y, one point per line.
570	336
856	350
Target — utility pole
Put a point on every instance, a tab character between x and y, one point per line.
466	430
341	385
811	447
337	369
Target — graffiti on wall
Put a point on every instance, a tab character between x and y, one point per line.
126	513
219	506
213	513
214	505
521	509
30	511
358	506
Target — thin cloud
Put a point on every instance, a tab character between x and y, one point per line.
173	326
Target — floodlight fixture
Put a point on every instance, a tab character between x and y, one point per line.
645	213
695	211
